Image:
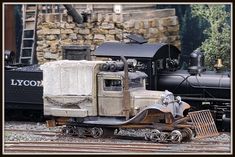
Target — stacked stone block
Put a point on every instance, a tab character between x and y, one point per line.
55	31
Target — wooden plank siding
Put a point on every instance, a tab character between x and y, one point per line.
9	29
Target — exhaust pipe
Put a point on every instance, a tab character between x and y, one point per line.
78	18
126	93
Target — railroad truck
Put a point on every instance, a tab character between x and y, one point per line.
96	98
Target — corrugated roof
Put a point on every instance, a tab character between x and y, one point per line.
146	50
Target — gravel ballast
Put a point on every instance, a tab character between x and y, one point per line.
30	136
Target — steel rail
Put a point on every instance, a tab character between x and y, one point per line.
112	147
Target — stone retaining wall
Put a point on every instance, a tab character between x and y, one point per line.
57	30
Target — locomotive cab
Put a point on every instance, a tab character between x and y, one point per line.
110	91
110	94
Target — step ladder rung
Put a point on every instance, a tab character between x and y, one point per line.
25	57
28	38
27	47
28	29
30	7
29	20
30	11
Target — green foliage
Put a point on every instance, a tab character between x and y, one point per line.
191	29
191	33
218	43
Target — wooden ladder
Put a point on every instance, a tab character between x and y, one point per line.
27	50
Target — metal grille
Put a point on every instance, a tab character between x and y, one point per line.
204	124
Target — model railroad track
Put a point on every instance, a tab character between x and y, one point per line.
112	147
118	137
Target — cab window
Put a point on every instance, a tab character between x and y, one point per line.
135	83
112	85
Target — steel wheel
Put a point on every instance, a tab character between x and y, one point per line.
64	130
176	136
155	135
96	132
147	136
72	131
189	134
68	130
163	137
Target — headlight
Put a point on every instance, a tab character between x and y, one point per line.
178	99
167	97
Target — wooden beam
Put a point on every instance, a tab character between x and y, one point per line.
9	29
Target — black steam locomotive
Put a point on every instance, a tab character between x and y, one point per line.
202	89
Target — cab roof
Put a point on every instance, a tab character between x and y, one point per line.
143	50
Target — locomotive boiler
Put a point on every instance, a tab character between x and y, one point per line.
196	82
202	88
